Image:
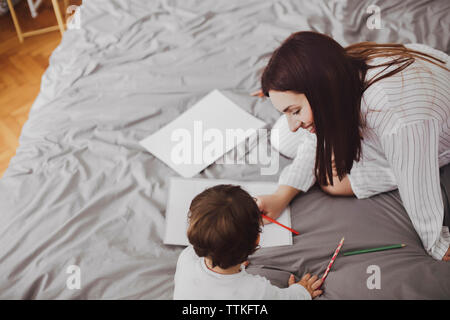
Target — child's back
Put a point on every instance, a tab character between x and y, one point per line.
193	280
224	228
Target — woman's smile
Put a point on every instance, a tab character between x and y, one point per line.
296	107
311	128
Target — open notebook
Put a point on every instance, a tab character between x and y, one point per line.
203	134
182	191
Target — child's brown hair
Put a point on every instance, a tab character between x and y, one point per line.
224	224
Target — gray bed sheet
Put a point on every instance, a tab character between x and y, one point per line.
82	191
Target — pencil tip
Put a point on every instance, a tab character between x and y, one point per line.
403	245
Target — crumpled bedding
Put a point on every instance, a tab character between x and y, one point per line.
82	191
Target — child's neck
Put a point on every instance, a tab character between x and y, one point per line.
230	270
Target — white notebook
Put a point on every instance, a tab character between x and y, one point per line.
183	191
192	134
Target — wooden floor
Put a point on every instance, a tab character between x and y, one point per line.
21	69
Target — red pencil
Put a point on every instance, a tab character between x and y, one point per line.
332	261
281	225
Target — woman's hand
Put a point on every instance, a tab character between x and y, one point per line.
339	187
446	256
273	205
258	93
333	166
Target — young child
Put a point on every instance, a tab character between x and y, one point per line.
224	228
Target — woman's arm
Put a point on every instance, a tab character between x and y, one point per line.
299	176
296	177
339	187
412	152
273	204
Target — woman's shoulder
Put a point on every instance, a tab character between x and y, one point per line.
414	94
415	75
421	48
428	50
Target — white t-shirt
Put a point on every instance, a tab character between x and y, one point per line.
194	281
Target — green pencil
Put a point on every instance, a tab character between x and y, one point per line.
394	246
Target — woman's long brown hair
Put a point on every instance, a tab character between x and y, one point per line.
333	79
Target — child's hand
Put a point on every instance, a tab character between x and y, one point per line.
309	283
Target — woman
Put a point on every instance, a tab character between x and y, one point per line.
365	119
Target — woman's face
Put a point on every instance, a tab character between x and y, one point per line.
296	108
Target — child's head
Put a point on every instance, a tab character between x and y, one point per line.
224	225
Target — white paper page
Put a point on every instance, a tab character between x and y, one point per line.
183	191
214	113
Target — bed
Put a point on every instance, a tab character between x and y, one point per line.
82	191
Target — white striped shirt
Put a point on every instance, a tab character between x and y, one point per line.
406	140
